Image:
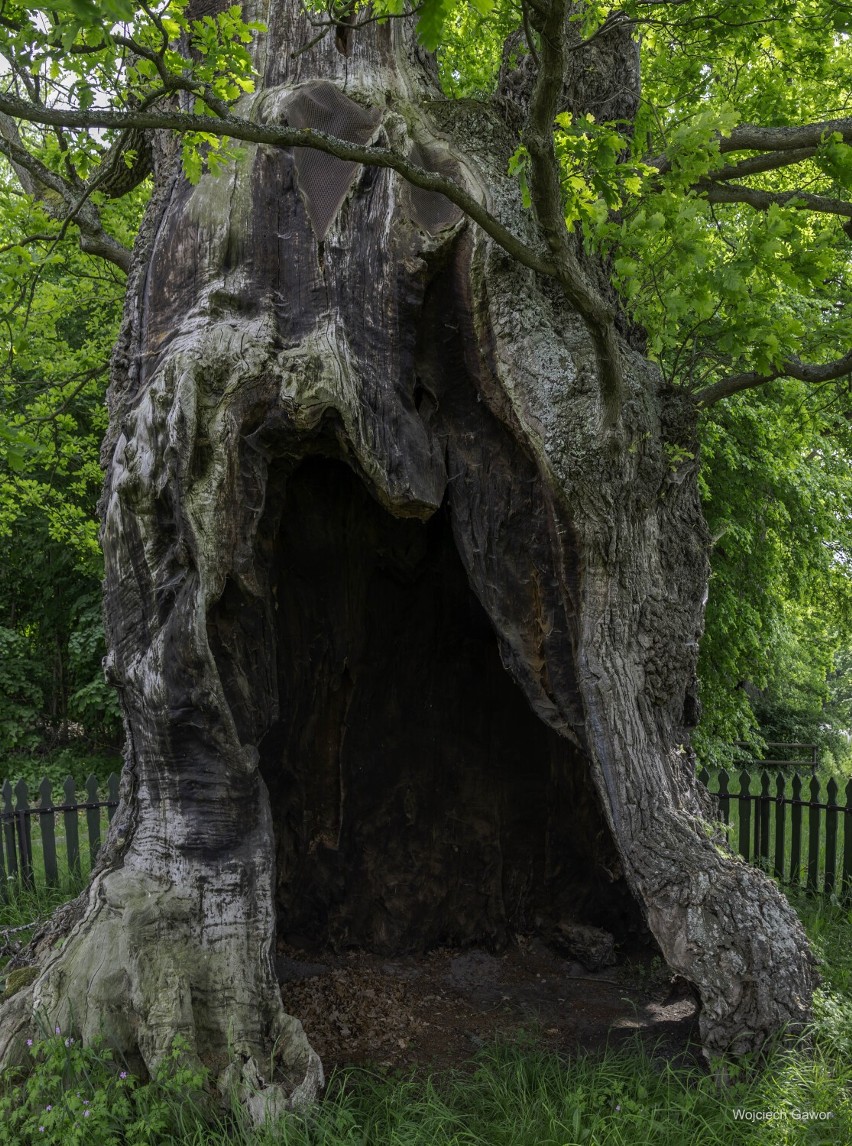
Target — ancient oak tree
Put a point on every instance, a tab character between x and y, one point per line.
405	561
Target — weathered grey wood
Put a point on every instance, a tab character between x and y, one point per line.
831	817
48	833
72	836
23	831
112	793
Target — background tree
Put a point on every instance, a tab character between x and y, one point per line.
60	320
775	464
299	307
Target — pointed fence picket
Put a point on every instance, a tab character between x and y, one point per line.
780	825
48	833
796	827
28	857
799	850
778	843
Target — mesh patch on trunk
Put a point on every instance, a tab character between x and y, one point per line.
429	210
322	179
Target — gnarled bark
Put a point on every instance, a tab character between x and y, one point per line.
299	308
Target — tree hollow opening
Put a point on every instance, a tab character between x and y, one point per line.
417	799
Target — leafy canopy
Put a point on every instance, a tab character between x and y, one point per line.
59	312
729	249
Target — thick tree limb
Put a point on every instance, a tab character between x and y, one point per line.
790	368
717	187
761	200
538	132
562	266
757	164
276	136
749	137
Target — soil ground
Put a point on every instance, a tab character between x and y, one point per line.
435	1011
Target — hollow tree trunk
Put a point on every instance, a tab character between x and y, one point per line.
300	307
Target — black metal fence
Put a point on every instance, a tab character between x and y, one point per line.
780	822
783	824
41	841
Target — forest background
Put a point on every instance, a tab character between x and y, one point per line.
711	283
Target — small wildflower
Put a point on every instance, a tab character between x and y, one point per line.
58	1031
123	1074
41	1128
86	1113
48	1107
69	1042
29	1042
85	1102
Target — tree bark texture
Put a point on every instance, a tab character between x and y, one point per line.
404	628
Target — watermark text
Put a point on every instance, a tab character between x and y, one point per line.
794	1115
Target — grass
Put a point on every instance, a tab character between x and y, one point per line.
514	1095
520	1096
25	905
517	1095
23	909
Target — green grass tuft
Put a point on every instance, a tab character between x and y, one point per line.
514	1095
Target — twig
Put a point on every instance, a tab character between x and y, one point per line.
7	931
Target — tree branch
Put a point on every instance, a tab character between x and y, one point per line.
546	195
757	164
275	136
761	200
748	137
39	182
26	241
528	33
82	378
790	368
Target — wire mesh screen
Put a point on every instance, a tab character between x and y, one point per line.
429	210
323	179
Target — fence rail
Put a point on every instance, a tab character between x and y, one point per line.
27	854
791	832
771	829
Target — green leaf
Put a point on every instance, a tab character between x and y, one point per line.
431	25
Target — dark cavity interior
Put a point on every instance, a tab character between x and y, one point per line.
417	799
